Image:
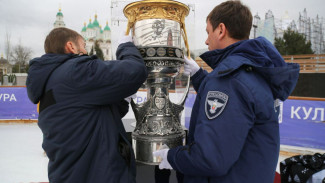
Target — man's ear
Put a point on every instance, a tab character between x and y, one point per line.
222	31
70	47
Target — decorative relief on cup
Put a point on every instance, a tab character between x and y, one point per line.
161	52
160	102
147	52
163	63
146	10
158	26
151	52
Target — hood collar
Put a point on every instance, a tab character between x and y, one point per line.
214	57
262	57
40	70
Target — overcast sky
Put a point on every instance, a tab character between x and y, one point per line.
29	21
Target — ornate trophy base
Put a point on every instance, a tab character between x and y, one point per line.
144	146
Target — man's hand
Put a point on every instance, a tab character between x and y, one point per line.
190	66
162	153
129	98
125	38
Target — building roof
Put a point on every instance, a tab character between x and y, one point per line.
3	60
95	24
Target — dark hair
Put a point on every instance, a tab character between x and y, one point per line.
236	17
55	41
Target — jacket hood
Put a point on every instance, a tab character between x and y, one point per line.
263	57
40	70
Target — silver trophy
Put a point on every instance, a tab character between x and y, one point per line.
157	29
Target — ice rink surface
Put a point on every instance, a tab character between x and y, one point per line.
22	159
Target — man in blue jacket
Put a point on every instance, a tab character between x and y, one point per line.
234	131
81	106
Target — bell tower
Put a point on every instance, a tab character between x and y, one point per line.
59	20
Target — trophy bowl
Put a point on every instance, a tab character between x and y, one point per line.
157	28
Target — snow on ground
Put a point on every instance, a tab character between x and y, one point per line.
21	156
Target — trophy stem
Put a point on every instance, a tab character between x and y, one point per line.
158	87
160	125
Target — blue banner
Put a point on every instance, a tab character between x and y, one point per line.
188	108
301	122
14	104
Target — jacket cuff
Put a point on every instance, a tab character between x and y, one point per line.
170	157
197	74
126	44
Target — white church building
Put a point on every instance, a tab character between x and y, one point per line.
91	33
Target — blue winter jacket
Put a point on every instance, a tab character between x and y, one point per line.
234	130
81	103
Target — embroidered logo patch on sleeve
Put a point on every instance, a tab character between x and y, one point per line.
215	103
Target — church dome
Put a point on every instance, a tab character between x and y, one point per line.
59	13
84	28
95	23
3	60
106	28
90	25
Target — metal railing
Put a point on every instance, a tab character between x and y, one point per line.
308	63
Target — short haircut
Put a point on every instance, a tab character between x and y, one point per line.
55	41
236	17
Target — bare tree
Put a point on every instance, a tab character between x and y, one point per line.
20	55
8	46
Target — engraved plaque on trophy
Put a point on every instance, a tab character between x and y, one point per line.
157	29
